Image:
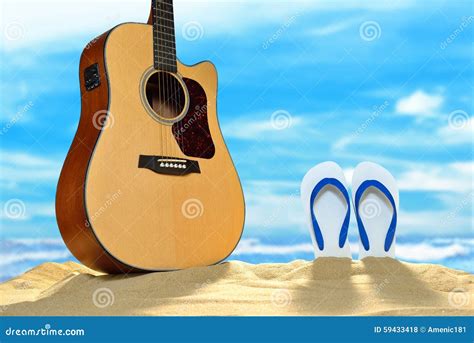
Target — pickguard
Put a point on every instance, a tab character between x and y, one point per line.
192	132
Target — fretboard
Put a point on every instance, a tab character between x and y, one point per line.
164	43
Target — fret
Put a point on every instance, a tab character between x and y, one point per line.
167	63
164	28
166	42
164	20
164	4
168	51
166	68
162	8
170	58
166	54
164	15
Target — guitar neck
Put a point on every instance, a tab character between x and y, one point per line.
164	40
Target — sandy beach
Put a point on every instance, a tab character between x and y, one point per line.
322	287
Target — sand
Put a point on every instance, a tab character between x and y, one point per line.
323	287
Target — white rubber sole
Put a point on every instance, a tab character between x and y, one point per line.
329	208
375	210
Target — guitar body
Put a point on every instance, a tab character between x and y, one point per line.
138	193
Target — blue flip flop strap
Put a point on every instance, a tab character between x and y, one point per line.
345	225
393	224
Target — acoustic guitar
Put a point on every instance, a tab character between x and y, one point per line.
148	183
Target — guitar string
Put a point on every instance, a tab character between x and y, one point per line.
166	79
174	83
163	74
158	75
179	105
155	64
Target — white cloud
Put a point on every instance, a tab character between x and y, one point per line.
425	252
464	133
331	28
454	177
251	129
20	169
273	205
420	104
26	210
444	222
8	259
92	17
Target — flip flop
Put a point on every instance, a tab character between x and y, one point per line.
375	197
327	208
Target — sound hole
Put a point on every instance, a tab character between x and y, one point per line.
166	95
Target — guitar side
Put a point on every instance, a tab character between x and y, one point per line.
89	238
70	207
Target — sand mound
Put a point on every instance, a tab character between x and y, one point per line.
323	287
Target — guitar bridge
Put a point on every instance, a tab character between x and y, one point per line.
168	165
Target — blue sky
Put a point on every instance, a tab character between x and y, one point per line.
300	82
